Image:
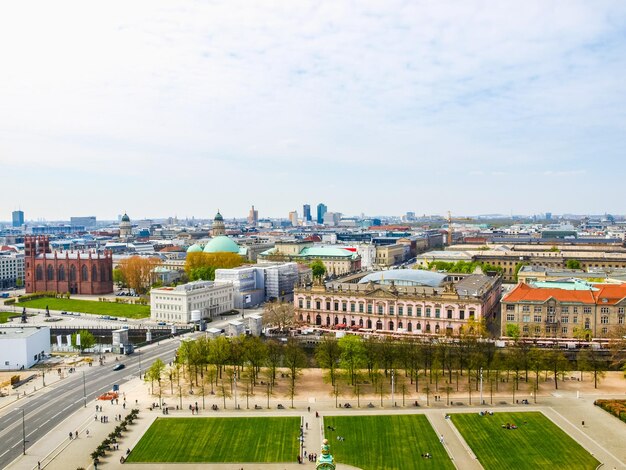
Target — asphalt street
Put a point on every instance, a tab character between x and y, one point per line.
44	411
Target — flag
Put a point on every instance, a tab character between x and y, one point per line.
248	298
60	340
77	339
69	340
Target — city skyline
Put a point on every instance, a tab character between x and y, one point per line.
173	109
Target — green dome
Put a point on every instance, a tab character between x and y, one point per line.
195	248
218	216
221	244
125	217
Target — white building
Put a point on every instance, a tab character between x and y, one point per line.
280	280
368	255
175	304
23	347
11	269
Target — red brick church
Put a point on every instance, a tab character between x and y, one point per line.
88	273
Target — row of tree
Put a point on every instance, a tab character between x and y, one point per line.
357	363
202	266
136	272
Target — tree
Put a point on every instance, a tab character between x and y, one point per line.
327	354
155	372
87	340
295	360
518	267
203	265
591	360
319	270
273	360
352	355
513	331
573	264
137	272
279	315
557	362
582	334
118	278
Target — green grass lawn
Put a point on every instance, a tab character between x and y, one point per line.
4	316
390	442
89	306
536	443
219	440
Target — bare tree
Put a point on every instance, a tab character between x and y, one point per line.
279	315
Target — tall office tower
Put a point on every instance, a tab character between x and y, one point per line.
321	210
18	218
306	213
253	217
293	217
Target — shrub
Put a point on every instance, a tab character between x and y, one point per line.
15	379
616	407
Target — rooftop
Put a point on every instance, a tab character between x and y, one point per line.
406	277
21	332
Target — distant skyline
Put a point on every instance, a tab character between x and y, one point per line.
182	108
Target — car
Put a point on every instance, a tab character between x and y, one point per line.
119	367
64	313
161	323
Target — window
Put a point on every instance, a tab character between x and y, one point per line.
409	310
449	314
300	303
551	309
620	310
84	273
94	273
318	304
526	318
604	320
400	311
604	310
327	305
336	306
565	309
575	319
565	319
586	309
586	323
39	273
437	313
369	308
361	308
419	311
537	330
620	319
564	330
391	310
550	318
428	311
380	309
605	330
462	314
510	307
526	329
50	273
537	309
61	274
537	318
308	304
525	308
352	306
510	317
575	309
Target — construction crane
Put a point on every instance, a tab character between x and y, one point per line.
456	219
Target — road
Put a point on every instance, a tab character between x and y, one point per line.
44	411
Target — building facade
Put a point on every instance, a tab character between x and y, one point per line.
126	228
218	228
24	347
408	302
11	269
76	272
253	217
579	310
337	260
321	210
17	218
306	212
176	304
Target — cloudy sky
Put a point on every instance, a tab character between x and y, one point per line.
165	108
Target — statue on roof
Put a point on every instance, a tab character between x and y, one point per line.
325	461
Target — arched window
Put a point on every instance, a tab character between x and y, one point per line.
72	273
390	326
437	328
318	320
361	322
369	324
61	275
327	320
308	318
345	322
410	326
50	273
39	273
301	318
379	325
419	327
427	327
400	325
94	273
84	273
336	320
103	274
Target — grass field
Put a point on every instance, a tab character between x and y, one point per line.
4	316
537	443
89	306
219	440
392	442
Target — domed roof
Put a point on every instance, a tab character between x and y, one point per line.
221	244
218	216
195	248
125	217
405	277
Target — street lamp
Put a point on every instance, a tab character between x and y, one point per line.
84	390
23	433
393	383
481	386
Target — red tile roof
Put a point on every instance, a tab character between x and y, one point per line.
613	293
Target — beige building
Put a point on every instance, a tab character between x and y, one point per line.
338	261
590	310
389	255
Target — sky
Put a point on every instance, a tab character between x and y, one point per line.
162	108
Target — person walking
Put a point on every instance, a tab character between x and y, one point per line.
71	435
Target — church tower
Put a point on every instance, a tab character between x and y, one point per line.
126	229
218	225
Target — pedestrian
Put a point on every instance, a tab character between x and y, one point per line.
38	465
441	439
71	435
87	432
307	425
583	424
76	434
309	408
